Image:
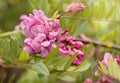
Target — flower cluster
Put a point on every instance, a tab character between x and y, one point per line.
69	46
108	56
42	34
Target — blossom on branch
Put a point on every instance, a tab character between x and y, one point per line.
43	33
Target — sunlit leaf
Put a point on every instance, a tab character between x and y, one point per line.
70	61
41	68
51	55
60	64
103	68
82	67
66	77
23	56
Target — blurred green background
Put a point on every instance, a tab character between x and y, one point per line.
10	11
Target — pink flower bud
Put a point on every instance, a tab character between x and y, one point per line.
75	7
107	56
117	58
89	80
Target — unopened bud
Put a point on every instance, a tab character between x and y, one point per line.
75	7
89	80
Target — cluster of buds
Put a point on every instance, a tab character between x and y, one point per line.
42	34
75	7
69	46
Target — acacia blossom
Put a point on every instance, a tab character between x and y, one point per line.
41	32
69	46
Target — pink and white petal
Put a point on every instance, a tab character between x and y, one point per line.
44	52
28	34
28	41
107	56
45	43
28	49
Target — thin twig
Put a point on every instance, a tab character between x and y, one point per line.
99	44
61	15
91	19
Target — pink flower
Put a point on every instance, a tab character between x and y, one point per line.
117	58
75	7
39	45
68	46
41	32
78	59
108	56
84	37
88	80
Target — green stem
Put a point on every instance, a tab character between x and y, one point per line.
7	34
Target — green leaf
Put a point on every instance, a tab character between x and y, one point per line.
62	23
55	15
116	70
40	4
103	68
23	56
110	67
35	3
113	69
13	48
110	13
82	67
51	55
70	61
30	77
41	68
102	10
52	62
66	77
5	47
61	65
